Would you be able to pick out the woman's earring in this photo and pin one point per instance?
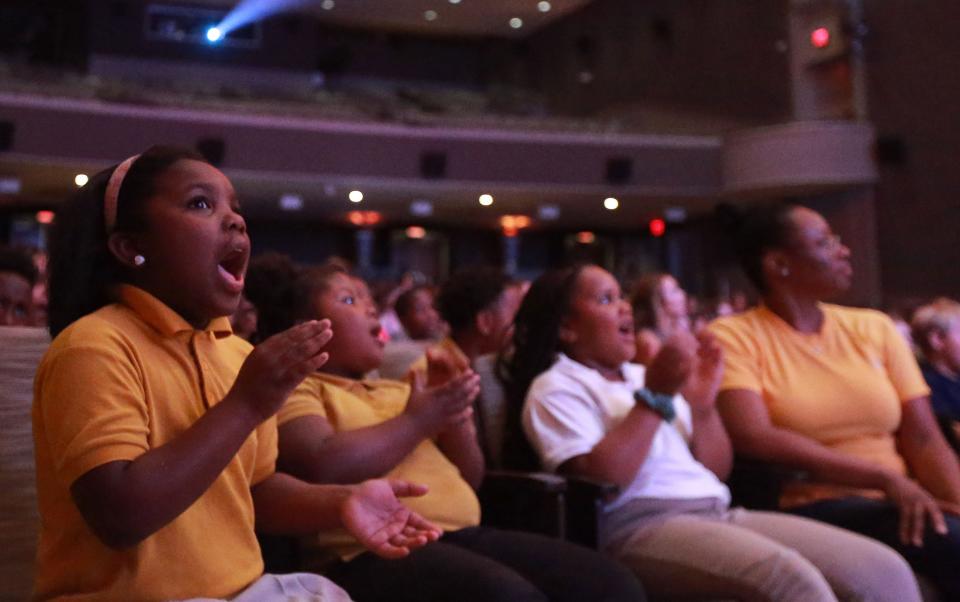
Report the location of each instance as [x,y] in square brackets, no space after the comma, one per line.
[139,260]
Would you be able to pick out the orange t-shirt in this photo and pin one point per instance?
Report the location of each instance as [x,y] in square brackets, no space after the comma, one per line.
[347,404]
[842,386]
[125,379]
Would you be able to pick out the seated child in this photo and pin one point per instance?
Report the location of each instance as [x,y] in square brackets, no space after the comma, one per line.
[338,427]
[153,425]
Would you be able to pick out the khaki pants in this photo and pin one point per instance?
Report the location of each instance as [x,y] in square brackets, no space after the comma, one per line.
[698,548]
[295,587]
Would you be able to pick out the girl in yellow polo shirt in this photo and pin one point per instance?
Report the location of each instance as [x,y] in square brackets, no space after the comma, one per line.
[155,441]
[338,427]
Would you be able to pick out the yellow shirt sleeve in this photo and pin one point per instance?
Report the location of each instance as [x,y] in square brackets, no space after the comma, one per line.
[93,408]
[306,400]
[741,357]
[900,363]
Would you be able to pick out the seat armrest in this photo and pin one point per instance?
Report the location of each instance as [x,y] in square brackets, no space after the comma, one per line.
[525,501]
[585,500]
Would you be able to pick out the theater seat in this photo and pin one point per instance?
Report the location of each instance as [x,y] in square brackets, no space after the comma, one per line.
[20,352]
[550,504]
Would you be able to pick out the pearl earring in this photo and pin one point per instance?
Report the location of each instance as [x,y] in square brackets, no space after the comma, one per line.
[139,260]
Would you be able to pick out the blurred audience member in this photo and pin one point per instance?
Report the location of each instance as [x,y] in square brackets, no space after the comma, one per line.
[244,320]
[836,392]
[419,317]
[936,329]
[660,309]
[18,275]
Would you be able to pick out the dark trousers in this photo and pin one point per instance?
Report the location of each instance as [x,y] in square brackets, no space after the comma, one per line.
[483,564]
[939,558]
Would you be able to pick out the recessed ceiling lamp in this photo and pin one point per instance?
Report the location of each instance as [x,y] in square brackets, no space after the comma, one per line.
[291,202]
[544,6]
[355,196]
[486,200]
[454,1]
[611,203]
[80,179]
[421,208]
[548,212]
[430,15]
[516,22]
[327,4]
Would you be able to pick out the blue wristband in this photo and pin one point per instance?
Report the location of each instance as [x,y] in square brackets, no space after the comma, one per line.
[661,403]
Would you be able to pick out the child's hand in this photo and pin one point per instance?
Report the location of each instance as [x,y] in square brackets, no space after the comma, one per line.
[443,365]
[704,383]
[274,369]
[672,365]
[449,404]
[374,515]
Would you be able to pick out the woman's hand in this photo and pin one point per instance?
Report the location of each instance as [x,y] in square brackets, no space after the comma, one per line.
[916,507]
[274,369]
[374,515]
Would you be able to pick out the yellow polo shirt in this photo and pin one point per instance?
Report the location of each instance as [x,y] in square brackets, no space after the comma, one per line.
[446,346]
[842,386]
[351,404]
[116,383]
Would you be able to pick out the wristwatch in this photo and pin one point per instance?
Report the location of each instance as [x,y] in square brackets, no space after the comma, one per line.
[661,403]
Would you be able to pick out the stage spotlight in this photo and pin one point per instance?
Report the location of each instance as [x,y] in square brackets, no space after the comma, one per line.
[214,35]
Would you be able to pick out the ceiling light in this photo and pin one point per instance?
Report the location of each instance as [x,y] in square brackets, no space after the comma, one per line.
[611,203]
[486,200]
[544,6]
[516,22]
[291,202]
[9,185]
[416,232]
[355,196]
[421,208]
[214,35]
[327,4]
[430,15]
[454,1]
[80,179]
[548,212]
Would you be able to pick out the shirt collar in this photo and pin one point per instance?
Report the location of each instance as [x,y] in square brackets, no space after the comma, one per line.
[161,317]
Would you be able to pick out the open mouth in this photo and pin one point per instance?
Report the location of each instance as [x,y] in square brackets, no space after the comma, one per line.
[377,332]
[232,267]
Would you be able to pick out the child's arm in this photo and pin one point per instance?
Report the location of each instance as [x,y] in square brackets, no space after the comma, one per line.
[126,501]
[311,450]
[370,511]
[459,443]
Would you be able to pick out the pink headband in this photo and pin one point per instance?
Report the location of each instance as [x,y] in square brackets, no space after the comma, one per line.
[113,191]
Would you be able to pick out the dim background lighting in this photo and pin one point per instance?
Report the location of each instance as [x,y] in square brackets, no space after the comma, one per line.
[355,196]
[658,227]
[416,232]
[611,203]
[586,237]
[486,200]
[820,37]
[81,179]
[45,217]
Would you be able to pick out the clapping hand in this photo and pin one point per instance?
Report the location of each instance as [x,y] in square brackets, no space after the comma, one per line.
[381,523]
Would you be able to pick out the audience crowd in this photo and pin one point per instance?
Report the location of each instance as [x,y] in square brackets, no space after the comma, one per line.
[168,437]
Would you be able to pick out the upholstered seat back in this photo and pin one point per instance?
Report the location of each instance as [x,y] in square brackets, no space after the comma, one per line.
[20,351]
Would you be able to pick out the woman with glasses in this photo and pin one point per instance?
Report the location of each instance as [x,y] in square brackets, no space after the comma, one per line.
[835,392]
